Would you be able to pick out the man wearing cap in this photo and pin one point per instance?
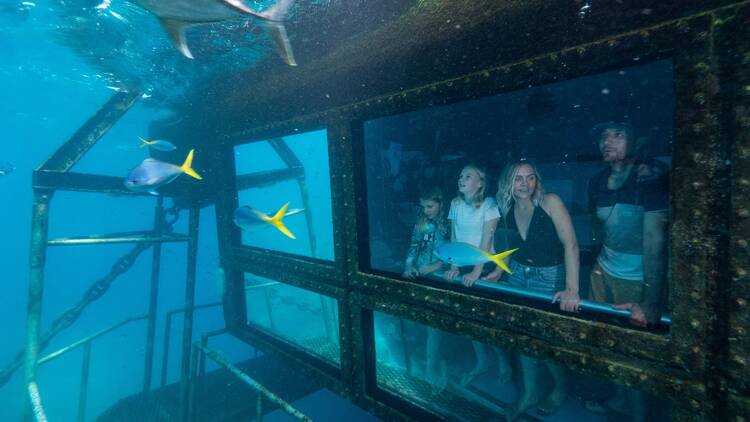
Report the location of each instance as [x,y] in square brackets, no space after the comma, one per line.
[629,200]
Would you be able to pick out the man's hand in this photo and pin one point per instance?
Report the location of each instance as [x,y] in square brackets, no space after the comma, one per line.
[641,314]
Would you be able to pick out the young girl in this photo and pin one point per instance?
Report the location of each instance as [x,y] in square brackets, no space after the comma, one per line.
[473,220]
[430,229]
[546,261]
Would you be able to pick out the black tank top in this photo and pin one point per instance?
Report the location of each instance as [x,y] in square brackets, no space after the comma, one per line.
[542,247]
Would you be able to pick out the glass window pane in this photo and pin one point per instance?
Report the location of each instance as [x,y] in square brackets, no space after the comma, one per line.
[307,319]
[460,379]
[308,217]
[573,176]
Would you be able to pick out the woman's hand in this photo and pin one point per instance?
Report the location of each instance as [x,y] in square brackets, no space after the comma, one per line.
[494,276]
[469,279]
[569,300]
[451,274]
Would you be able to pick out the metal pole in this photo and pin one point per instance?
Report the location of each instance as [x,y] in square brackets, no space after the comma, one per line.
[165,350]
[587,305]
[259,408]
[273,398]
[168,332]
[39,226]
[91,131]
[187,327]
[84,381]
[192,384]
[36,402]
[153,296]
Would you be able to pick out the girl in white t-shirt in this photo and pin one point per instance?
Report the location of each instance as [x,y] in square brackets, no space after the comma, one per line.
[473,219]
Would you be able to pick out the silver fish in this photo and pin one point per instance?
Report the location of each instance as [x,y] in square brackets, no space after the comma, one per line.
[158,145]
[152,174]
[6,168]
[463,254]
[248,218]
[177,15]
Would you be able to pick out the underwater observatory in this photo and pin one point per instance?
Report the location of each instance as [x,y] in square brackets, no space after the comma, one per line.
[391,210]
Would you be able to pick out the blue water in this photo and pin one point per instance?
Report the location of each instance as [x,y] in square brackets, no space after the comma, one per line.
[49,90]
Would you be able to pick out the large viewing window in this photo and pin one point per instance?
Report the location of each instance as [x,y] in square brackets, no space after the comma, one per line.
[306,319]
[293,170]
[574,175]
[460,379]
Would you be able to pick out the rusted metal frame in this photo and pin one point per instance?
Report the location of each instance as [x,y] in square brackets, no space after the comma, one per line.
[273,398]
[153,296]
[82,182]
[699,177]
[342,194]
[276,129]
[291,160]
[657,379]
[91,131]
[187,326]
[738,407]
[679,40]
[266,178]
[37,256]
[133,237]
[734,32]
[167,335]
[228,234]
[368,396]
[84,386]
[293,270]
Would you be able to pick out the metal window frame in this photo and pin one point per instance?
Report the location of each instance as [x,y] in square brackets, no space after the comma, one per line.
[682,357]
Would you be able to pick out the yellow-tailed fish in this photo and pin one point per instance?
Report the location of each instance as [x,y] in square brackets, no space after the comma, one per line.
[152,174]
[248,217]
[158,144]
[463,254]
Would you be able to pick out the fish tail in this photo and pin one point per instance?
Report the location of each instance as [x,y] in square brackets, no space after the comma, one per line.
[186,166]
[498,259]
[145,143]
[277,221]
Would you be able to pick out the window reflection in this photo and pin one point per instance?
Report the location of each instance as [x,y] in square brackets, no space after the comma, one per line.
[432,369]
[285,197]
[278,309]
[567,185]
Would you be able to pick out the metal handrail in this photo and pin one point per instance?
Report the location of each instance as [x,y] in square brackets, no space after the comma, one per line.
[131,237]
[587,305]
[167,335]
[255,385]
[83,392]
[88,339]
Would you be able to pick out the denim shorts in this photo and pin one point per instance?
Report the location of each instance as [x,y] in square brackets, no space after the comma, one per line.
[542,279]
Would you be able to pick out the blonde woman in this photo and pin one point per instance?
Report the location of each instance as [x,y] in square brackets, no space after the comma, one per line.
[538,224]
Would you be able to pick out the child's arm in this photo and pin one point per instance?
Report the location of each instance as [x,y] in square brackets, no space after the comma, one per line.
[488,232]
[453,271]
[409,270]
